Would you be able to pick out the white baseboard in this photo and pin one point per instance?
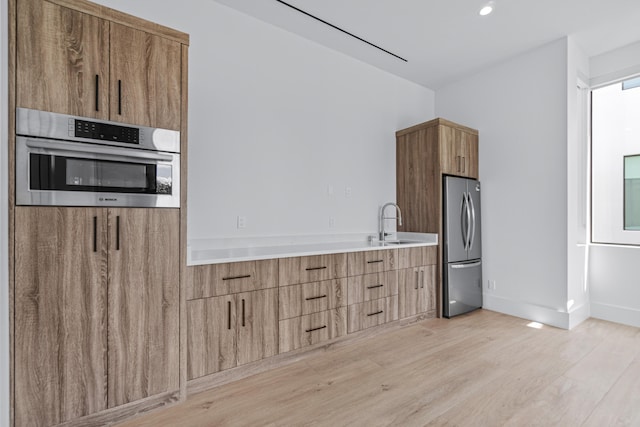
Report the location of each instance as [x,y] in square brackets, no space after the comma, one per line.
[615,313]
[579,315]
[536,313]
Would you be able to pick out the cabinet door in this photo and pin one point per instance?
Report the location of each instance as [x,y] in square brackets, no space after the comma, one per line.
[470,150]
[211,335]
[451,156]
[427,289]
[143,303]
[62,60]
[409,292]
[257,325]
[60,314]
[144,78]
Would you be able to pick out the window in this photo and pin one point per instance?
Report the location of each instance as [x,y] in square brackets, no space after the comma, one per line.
[615,174]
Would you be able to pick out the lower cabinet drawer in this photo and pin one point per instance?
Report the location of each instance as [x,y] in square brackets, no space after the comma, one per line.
[312,329]
[372,313]
[371,287]
[300,300]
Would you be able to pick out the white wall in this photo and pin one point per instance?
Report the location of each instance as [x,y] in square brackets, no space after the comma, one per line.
[520,110]
[613,270]
[275,120]
[4,227]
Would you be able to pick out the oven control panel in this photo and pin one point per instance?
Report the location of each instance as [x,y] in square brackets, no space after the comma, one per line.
[105,131]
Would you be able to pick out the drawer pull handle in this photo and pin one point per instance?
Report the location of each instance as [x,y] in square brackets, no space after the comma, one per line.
[375,286]
[315,329]
[312,298]
[236,277]
[376,313]
[315,268]
[374,262]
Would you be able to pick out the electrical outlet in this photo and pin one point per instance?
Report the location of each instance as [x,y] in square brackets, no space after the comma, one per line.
[332,222]
[491,284]
[347,192]
[242,221]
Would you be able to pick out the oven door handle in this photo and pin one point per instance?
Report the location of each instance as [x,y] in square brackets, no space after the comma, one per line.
[79,148]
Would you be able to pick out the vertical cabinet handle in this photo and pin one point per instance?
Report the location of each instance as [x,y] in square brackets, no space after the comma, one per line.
[118,233]
[243,312]
[95,234]
[120,97]
[417,278]
[97,92]
[228,314]
[422,281]
[464,162]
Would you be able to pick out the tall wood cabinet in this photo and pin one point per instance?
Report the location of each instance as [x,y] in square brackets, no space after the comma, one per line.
[96,306]
[424,154]
[97,301]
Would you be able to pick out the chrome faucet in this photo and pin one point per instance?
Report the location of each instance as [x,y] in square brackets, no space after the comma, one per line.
[381,218]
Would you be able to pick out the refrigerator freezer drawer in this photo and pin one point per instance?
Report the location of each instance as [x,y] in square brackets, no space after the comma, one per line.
[463,288]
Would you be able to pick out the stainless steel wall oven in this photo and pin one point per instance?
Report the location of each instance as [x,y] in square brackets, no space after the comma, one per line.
[64,160]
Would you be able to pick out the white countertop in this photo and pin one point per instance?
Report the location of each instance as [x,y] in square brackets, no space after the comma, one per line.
[214,251]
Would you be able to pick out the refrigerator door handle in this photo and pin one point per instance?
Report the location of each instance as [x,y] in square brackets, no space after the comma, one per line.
[468,243]
[464,209]
[473,222]
[473,264]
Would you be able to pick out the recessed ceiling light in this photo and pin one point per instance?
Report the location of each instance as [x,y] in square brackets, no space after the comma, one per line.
[486,9]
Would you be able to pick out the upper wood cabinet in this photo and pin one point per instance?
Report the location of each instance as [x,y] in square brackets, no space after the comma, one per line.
[74,63]
[97,299]
[458,151]
[62,58]
[144,82]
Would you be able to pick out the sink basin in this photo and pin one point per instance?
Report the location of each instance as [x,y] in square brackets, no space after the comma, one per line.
[399,242]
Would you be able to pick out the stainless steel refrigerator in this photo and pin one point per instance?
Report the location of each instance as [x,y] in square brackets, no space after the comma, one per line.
[462,269]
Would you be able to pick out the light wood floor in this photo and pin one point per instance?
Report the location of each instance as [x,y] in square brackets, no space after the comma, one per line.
[482,369]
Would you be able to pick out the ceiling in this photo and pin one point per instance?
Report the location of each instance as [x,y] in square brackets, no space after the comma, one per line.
[446,40]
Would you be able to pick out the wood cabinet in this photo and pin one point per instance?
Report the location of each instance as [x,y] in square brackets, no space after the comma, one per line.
[60,314]
[228,278]
[144,290]
[417,280]
[311,329]
[424,154]
[72,62]
[458,151]
[307,298]
[314,268]
[231,330]
[96,294]
[416,289]
[372,313]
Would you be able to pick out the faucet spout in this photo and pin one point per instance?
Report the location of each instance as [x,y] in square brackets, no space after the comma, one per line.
[381,218]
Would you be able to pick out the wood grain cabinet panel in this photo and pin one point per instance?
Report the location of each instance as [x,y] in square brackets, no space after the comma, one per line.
[372,313]
[211,335]
[307,298]
[371,286]
[366,262]
[63,60]
[416,290]
[210,280]
[146,81]
[143,303]
[417,256]
[60,314]
[75,63]
[231,330]
[312,329]
[314,268]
